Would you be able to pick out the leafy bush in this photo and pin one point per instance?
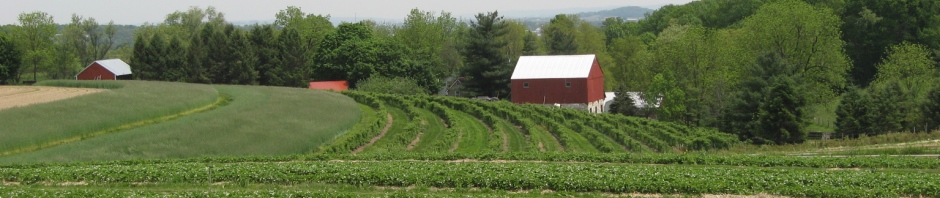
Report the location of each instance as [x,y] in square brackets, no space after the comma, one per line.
[396,85]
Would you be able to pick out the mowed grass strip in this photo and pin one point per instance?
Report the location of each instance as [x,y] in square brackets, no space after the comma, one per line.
[258,121]
[129,102]
[389,143]
[475,136]
[516,141]
[434,129]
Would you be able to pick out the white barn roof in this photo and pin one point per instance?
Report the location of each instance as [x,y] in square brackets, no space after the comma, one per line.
[563,66]
[116,66]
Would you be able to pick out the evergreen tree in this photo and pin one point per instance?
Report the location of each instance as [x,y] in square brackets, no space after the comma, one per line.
[264,43]
[931,108]
[10,60]
[487,69]
[141,59]
[624,104]
[175,68]
[853,115]
[531,45]
[781,114]
[294,68]
[243,60]
[742,117]
[887,107]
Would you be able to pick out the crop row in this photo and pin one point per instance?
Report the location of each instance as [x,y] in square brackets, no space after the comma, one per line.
[413,127]
[880,162]
[576,177]
[362,133]
[537,135]
[454,125]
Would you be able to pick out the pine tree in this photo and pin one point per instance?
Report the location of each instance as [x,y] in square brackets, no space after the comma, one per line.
[931,108]
[853,115]
[624,104]
[781,114]
[487,69]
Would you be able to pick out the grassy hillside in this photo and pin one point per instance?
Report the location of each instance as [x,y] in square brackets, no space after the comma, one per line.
[46,124]
[255,121]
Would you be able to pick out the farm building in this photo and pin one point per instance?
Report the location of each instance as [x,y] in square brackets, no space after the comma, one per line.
[111,69]
[568,80]
[340,85]
[452,86]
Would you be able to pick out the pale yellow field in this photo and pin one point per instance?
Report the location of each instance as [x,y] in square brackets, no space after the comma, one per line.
[15,96]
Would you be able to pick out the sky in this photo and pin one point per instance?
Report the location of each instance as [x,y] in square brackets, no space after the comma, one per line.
[136,12]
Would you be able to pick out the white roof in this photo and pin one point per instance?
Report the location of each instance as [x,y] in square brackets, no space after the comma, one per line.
[563,66]
[116,66]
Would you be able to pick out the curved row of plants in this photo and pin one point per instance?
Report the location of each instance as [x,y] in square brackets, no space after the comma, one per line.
[522,128]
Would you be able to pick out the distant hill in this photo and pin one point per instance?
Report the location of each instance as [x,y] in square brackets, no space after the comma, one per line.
[629,12]
[596,17]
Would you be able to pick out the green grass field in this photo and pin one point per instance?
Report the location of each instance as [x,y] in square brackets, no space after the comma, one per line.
[256,121]
[41,124]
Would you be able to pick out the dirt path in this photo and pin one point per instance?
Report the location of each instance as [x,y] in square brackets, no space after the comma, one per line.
[17,96]
[388,125]
[417,138]
[415,141]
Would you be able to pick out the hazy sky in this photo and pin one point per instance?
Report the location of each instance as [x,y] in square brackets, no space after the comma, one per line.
[136,12]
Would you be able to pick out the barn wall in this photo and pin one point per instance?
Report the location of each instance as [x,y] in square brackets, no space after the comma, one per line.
[94,71]
[550,91]
[595,81]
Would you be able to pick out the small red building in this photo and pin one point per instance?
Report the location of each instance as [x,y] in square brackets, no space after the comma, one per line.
[111,69]
[570,80]
[340,85]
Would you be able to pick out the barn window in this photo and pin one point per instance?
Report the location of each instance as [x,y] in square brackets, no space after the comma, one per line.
[525,85]
[567,84]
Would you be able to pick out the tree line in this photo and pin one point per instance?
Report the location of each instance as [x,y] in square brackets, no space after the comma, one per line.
[760,69]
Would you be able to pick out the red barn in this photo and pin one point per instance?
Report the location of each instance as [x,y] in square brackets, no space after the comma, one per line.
[570,80]
[111,69]
[340,85]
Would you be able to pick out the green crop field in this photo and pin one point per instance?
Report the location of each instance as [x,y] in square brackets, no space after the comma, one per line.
[254,121]
[190,140]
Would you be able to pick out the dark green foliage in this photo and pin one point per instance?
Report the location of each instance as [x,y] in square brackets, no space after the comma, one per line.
[873,25]
[624,104]
[854,114]
[294,63]
[560,35]
[888,108]
[352,54]
[396,85]
[930,108]
[487,69]
[742,118]
[264,43]
[174,68]
[531,46]
[10,59]
[781,114]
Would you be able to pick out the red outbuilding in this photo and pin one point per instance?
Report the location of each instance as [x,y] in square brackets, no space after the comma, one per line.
[340,85]
[111,69]
[569,80]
